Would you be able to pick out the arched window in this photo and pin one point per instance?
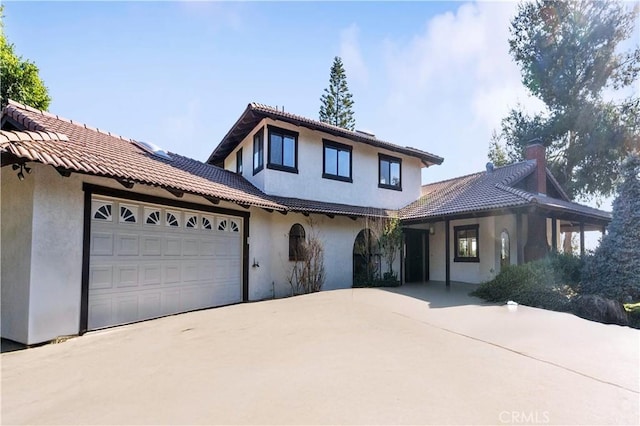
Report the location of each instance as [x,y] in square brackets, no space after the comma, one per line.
[296,242]
[505,249]
[366,257]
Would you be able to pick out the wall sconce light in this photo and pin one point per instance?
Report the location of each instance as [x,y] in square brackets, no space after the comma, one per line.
[23,168]
[255,264]
[432,229]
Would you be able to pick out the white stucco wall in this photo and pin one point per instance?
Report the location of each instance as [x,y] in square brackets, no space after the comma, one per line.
[42,247]
[308,182]
[269,246]
[56,255]
[489,265]
[16,216]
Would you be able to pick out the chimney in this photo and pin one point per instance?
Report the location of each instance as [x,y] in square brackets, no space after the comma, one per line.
[536,151]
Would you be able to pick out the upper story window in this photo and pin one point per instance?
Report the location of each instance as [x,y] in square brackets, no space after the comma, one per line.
[466,243]
[239,161]
[390,172]
[283,150]
[337,161]
[258,151]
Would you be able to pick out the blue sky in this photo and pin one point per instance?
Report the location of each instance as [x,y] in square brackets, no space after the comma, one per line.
[432,75]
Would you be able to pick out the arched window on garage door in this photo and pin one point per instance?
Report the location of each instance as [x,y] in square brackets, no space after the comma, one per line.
[297,242]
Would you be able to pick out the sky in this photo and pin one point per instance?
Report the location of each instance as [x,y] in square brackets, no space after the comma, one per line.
[431,75]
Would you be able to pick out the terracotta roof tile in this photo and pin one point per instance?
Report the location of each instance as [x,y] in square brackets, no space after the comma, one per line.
[312,206]
[256,112]
[80,149]
[486,191]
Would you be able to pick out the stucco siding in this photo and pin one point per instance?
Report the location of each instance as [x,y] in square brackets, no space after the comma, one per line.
[363,191]
[56,264]
[16,216]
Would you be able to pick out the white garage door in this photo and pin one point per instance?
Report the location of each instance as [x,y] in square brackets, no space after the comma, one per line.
[147,261]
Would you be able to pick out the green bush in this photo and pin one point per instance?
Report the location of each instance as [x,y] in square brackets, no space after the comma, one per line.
[546,283]
[390,279]
[633,311]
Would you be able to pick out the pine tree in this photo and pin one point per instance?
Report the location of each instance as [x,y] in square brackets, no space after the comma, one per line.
[614,270]
[336,100]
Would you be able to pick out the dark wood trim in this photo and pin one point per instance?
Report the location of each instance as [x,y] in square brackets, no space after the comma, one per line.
[582,249]
[245,258]
[212,200]
[457,257]
[554,235]
[63,172]
[519,239]
[239,162]
[90,190]
[326,143]
[447,250]
[86,253]
[135,196]
[403,249]
[260,166]
[126,183]
[282,132]
[389,159]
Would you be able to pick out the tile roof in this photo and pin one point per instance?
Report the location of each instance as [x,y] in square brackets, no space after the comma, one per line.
[62,143]
[255,112]
[487,191]
[311,206]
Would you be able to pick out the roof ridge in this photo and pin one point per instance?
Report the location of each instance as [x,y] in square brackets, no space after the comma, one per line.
[258,105]
[451,179]
[18,106]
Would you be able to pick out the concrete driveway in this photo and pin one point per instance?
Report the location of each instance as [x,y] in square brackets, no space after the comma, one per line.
[416,355]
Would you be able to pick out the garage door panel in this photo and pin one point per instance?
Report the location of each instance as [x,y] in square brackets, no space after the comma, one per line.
[150,304]
[170,301]
[151,245]
[100,313]
[127,245]
[173,246]
[172,274]
[102,244]
[149,261]
[100,277]
[127,309]
[151,274]
[190,247]
[127,276]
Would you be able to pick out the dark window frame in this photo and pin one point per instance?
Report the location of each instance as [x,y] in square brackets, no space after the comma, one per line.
[326,143]
[458,257]
[239,165]
[297,238]
[273,130]
[389,159]
[258,147]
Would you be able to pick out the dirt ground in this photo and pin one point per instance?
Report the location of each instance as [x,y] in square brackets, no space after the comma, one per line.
[416,355]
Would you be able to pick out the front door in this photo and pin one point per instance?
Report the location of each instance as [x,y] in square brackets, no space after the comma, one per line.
[416,266]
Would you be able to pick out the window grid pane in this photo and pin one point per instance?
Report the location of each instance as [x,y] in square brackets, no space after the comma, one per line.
[288,154]
[343,163]
[330,161]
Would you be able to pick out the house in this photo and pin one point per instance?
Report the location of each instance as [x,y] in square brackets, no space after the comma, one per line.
[101,230]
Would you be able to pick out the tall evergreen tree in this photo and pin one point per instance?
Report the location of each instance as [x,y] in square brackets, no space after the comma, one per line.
[337,101]
[19,78]
[568,53]
[614,270]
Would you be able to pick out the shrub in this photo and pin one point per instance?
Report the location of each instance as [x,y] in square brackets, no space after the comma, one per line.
[633,312]
[614,269]
[546,283]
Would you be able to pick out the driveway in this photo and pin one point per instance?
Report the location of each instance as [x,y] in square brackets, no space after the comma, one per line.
[416,355]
